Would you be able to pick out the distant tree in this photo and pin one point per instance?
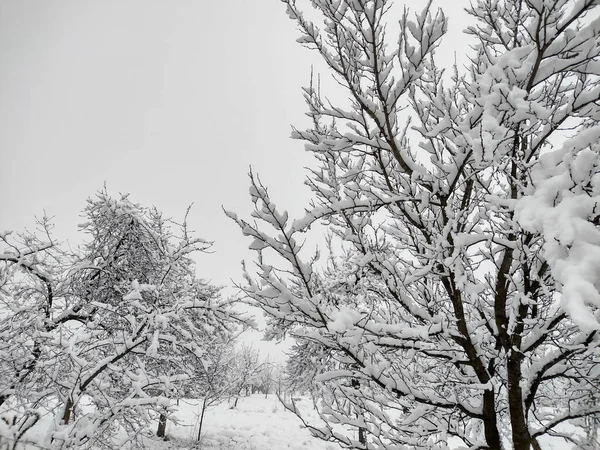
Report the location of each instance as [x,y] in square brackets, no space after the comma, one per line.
[267,376]
[215,379]
[464,303]
[247,370]
[111,331]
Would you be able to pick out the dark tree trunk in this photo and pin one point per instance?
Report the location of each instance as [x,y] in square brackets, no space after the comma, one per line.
[162,425]
[68,411]
[201,419]
[362,432]
[490,423]
[362,436]
[66,418]
[520,432]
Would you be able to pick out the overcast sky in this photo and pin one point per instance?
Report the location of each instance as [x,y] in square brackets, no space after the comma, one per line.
[168,100]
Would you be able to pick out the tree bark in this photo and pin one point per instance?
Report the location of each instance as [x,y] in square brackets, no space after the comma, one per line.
[362,436]
[490,422]
[520,432]
[362,432]
[162,425]
[68,411]
[201,419]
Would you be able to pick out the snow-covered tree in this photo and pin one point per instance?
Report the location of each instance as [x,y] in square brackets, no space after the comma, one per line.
[267,376]
[247,367]
[464,303]
[215,378]
[111,332]
[30,283]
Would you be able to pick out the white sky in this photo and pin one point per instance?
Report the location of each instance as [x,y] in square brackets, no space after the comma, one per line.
[170,101]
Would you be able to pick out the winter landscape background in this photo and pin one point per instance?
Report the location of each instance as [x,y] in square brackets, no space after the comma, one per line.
[425,263]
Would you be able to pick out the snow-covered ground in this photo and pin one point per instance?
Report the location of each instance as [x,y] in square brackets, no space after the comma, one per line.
[256,423]
[264,424]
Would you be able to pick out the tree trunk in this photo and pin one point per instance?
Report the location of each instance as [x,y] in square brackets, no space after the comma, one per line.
[201,419]
[68,411]
[236,399]
[66,414]
[362,432]
[362,436]
[520,432]
[490,422]
[162,425]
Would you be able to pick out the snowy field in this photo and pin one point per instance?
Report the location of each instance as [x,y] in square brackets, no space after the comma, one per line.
[264,424]
[256,423]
